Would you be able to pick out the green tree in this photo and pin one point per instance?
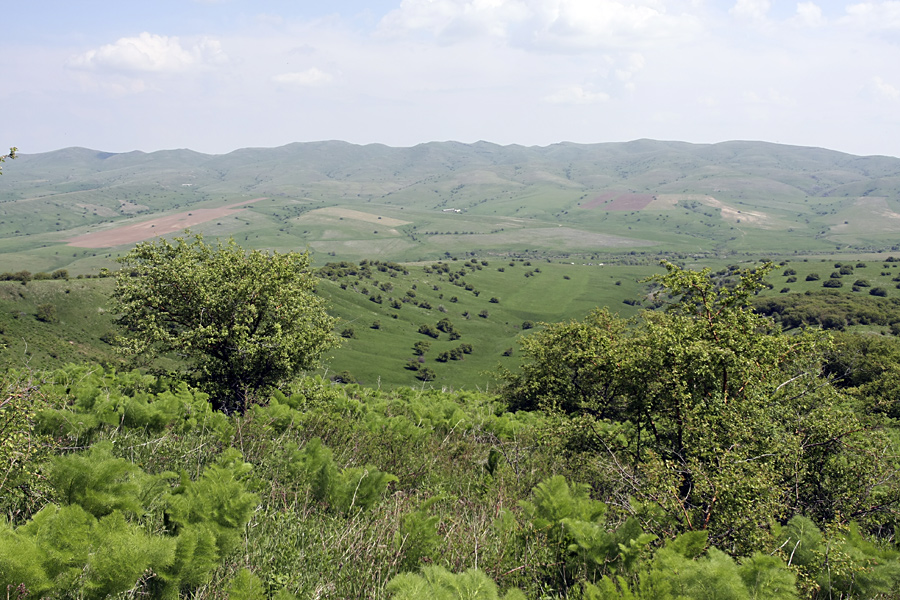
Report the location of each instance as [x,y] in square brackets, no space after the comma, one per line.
[11,155]
[708,412]
[242,321]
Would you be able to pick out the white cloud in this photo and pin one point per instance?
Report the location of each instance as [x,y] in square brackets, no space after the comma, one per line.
[885,90]
[547,24]
[771,97]
[576,94]
[809,14]
[633,63]
[752,10]
[874,15]
[149,53]
[309,78]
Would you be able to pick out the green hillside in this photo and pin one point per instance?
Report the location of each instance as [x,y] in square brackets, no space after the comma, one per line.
[350,202]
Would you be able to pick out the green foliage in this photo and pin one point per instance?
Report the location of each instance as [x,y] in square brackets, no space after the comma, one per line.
[418,537]
[723,422]
[345,490]
[22,448]
[247,586]
[842,564]
[828,310]
[95,397]
[3,157]
[243,321]
[46,313]
[97,482]
[437,583]
[98,543]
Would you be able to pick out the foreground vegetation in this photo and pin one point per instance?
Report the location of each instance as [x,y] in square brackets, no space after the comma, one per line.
[698,452]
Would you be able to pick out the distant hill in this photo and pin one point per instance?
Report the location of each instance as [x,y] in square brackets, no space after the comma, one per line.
[351,202]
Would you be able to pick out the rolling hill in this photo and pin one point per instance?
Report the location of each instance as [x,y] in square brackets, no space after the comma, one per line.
[344,201]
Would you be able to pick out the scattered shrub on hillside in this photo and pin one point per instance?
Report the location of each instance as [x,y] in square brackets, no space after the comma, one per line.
[46,313]
[878,291]
[428,330]
[527,324]
[832,283]
[812,277]
[343,377]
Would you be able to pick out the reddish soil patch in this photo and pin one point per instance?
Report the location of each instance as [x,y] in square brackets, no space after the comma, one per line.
[601,199]
[138,232]
[629,202]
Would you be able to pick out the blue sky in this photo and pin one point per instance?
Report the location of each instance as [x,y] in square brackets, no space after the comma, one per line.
[217,75]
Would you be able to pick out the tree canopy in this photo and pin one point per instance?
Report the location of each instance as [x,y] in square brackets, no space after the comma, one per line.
[3,157]
[241,320]
[714,419]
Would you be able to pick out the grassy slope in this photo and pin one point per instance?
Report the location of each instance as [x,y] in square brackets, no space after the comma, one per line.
[735,196]
[379,356]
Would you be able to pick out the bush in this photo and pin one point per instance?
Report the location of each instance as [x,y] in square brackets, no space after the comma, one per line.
[812,277]
[878,291]
[833,283]
[430,331]
[46,313]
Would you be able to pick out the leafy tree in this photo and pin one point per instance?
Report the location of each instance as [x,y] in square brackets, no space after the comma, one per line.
[11,155]
[708,413]
[242,321]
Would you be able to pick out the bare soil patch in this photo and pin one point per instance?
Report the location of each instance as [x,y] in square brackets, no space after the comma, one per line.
[138,232]
[629,202]
[600,200]
[620,201]
[356,215]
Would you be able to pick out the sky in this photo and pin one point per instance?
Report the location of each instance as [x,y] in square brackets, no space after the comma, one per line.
[218,75]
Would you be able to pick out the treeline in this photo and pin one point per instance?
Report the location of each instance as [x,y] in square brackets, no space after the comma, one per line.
[830,310]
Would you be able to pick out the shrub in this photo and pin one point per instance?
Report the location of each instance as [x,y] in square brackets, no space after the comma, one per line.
[46,313]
